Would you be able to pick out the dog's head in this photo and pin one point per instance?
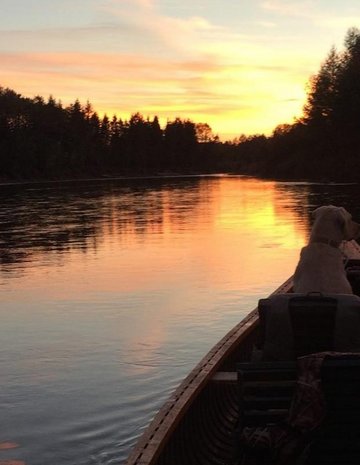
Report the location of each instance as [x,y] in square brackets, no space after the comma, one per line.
[335,223]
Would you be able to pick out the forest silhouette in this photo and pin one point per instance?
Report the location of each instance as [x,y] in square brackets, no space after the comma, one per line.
[44,140]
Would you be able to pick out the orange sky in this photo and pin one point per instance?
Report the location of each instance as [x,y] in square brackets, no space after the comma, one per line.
[242,67]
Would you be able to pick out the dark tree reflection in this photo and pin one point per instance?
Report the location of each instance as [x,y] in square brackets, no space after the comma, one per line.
[59,218]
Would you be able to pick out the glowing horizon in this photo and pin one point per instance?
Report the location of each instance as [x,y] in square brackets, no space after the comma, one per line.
[239,68]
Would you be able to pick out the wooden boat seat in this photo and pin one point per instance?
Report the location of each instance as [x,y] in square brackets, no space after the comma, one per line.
[292,325]
[266,391]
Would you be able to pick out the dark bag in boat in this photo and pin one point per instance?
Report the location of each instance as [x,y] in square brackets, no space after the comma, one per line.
[353,274]
[293,325]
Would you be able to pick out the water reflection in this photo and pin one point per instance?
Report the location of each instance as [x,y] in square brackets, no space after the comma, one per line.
[111,291]
[59,218]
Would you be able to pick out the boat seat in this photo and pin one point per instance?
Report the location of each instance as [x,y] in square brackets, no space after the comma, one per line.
[266,391]
[293,325]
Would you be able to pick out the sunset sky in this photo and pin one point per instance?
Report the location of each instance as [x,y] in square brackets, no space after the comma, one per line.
[240,66]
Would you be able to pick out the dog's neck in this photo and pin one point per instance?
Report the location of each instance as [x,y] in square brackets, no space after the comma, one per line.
[325,240]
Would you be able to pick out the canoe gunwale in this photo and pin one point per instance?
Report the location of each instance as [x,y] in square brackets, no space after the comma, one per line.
[153,440]
[168,417]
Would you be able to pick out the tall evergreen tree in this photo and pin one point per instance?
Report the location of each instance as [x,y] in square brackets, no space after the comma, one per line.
[347,108]
[323,91]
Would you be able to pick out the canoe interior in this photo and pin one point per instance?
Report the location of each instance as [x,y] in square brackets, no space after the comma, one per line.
[198,423]
[206,433]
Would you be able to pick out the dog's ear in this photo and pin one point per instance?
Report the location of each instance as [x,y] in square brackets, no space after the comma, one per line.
[343,217]
[349,228]
[341,220]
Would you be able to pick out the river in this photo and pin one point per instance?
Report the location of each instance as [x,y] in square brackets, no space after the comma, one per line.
[111,291]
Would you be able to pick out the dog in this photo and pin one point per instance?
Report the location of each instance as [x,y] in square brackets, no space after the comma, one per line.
[321,266]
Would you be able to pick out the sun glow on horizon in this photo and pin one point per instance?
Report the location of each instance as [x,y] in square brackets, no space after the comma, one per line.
[242,69]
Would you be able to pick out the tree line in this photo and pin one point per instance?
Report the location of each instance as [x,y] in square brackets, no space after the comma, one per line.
[43,139]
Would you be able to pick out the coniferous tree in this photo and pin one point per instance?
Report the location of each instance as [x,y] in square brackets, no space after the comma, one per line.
[180,143]
[323,91]
[347,108]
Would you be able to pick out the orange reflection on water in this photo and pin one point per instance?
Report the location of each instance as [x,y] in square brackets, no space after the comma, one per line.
[12,462]
[160,255]
[8,445]
[4,446]
[240,236]
[217,230]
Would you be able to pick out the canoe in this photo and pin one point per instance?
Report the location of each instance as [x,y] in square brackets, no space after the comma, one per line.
[196,424]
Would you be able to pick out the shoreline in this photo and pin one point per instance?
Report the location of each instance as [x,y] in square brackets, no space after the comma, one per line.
[9,182]
[168,175]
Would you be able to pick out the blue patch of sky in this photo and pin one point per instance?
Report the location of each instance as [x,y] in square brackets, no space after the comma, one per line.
[44,14]
[68,25]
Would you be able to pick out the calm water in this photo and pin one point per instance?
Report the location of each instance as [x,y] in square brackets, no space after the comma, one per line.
[112,291]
